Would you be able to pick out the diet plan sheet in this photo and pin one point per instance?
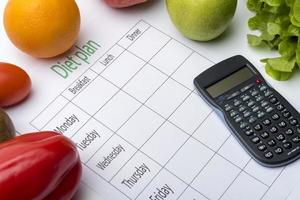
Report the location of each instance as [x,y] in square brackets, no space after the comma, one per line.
[143,132]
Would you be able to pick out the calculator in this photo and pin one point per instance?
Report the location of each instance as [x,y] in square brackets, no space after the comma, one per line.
[262,120]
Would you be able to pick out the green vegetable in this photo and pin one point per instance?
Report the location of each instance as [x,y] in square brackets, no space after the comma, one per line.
[278,22]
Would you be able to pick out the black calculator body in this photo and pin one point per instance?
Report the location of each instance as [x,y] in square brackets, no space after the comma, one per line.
[263,121]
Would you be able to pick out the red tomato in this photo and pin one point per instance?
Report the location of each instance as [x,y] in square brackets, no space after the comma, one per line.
[15,84]
[123,3]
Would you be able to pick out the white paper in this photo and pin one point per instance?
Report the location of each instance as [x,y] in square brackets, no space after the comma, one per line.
[141,129]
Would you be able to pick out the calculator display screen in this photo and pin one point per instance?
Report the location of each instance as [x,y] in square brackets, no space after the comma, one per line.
[229,82]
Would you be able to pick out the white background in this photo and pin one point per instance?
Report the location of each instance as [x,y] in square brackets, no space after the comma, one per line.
[105,26]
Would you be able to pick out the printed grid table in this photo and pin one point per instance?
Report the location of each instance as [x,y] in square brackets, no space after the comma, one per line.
[139,124]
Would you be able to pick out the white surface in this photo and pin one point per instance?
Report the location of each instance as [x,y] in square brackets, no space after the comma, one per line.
[126,110]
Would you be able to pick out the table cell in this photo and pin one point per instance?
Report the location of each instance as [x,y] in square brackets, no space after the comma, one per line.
[140,127]
[214,125]
[164,186]
[171,57]
[90,138]
[215,178]
[111,157]
[49,112]
[264,174]
[135,175]
[284,184]
[238,191]
[149,44]
[167,98]
[68,121]
[191,114]
[123,69]
[191,68]
[145,83]
[107,59]
[192,194]
[234,152]
[79,85]
[190,160]
[117,111]
[167,139]
[94,97]
[133,34]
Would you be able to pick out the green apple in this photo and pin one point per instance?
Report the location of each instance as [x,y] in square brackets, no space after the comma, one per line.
[201,20]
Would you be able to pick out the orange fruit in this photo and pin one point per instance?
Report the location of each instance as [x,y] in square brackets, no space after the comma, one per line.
[42,28]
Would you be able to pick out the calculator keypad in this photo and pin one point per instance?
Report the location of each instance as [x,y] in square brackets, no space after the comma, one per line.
[264,120]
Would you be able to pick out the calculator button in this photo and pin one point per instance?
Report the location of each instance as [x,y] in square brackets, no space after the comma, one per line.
[269,109]
[238,119]
[252,120]
[287,145]
[275,116]
[265,135]
[247,87]
[259,98]
[261,114]
[228,107]
[263,88]
[254,93]
[286,114]
[273,100]
[282,124]
[233,113]
[262,147]
[233,95]
[273,129]
[278,150]
[250,103]
[289,132]
[296,139]
[268,93]
[257,127]
[246,98]
[267,122]
[249,132]
[268,154]
[255,140]
[237,103]
[272,143]
[243,125]
[280,137]
[280,107]
[247,114]
[242,108]
[255,109]
[293,122]
[264,103]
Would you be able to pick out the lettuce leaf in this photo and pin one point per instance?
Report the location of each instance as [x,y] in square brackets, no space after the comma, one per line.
[280,76]
[278,22]
[281,64]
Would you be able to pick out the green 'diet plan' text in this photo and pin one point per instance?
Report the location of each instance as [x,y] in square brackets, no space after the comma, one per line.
[72,62]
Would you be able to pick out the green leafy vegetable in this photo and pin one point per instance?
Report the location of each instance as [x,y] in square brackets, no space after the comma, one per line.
[278,22]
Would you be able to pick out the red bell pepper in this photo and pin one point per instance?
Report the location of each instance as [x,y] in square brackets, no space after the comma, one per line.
[39,166]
